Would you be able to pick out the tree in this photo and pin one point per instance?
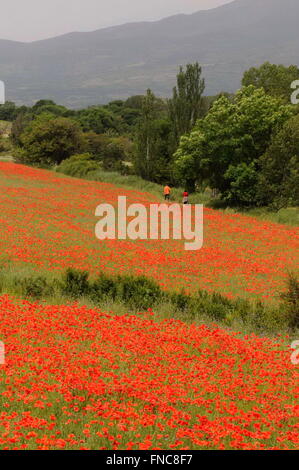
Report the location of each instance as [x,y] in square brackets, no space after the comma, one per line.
[145,135]
[274,79]
[185,105]
[279,168]
[49,140]
[98,119]
[50,107]
[8,111]
[233,133]
[111,151]
[152,156]
[19,125]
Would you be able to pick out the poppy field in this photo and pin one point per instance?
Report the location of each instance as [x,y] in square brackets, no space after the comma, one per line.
[81,377]
[47,222]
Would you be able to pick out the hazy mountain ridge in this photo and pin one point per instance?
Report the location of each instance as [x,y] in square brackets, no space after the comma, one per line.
[84,68]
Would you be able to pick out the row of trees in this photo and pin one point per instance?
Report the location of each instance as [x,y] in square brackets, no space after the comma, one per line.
[243,146]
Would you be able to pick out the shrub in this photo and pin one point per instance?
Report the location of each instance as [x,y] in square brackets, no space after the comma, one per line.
[78,165]
[49,140]
[142,293]
[103,288]
[139,292]
[36,288]
[181,301]
[75,283]
[291,301]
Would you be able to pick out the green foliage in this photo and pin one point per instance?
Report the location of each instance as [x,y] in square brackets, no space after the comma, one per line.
[274,79]
[242,184]
[50,107]
[75,283]
[227,143]
[279,168]
[49,140]
[78,165]
[291,299]
[36,288]
[112,152]
[153,157]
[233,133]
[135,292]
[138,292]
[185,107]
[8,111]
[141,293]
[98,119]
[128,112]
[103,288]
[19,125]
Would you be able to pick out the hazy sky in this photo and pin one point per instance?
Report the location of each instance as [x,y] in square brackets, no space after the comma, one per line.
[28,20]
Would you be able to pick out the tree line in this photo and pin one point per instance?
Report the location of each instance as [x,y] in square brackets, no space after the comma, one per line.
[243,146]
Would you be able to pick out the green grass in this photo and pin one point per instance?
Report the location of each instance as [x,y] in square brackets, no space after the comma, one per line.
[200,308]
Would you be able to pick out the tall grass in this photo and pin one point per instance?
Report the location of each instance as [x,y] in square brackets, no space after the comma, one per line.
[128,294]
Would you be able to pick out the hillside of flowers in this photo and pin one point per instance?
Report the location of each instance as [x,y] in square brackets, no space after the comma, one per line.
[47,222]
[80,378]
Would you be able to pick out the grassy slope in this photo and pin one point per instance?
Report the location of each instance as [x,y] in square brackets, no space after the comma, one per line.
[80,378]
[77,378]
[289,216]
[48,223]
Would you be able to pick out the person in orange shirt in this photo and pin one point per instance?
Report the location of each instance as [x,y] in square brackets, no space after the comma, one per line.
[167,192]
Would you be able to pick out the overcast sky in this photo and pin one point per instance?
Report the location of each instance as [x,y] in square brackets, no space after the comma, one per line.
[29,20]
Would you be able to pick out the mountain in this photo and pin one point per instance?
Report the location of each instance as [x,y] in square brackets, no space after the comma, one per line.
[78,69]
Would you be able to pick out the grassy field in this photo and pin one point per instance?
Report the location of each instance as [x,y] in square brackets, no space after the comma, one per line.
[78,376]
[289,216]
[48,223]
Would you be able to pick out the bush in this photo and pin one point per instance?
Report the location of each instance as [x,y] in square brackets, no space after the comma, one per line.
[78,165]
[291,301]
[139,292]
[103,288]
[49,140]
[75,283]
[36,288]
[279,168]
[142,293]
[181,301]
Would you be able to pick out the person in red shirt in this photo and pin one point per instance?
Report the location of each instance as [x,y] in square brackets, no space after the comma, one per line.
[185,197]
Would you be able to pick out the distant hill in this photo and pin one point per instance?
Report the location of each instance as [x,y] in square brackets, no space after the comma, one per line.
[78,69]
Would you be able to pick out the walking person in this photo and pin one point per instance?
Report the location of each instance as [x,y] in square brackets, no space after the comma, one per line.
[185,197]
[167,192]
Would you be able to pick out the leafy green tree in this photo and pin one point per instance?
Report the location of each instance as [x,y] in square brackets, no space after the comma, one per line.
[49,106]
[152,155]
[146,135]
[50,140]
[111,151]
[274,79]
[186,104]
[19,125]
[232,133]
[279,168]
[8,111]
[242,181]
[98,119]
